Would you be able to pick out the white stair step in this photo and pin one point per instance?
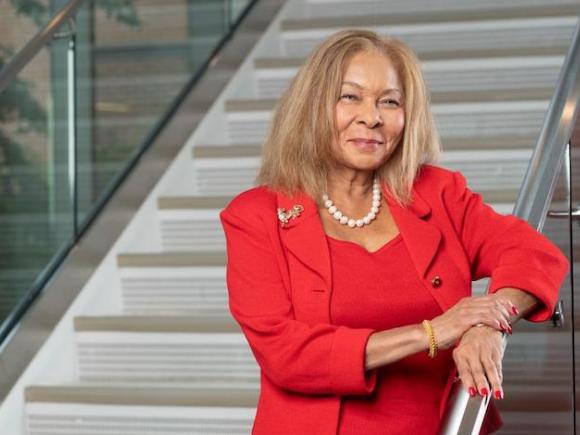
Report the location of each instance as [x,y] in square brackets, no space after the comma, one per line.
[349,8]
[164,352]
[483,79]
[249,123]
[78,410]
[175,283]
[446,35]
[191,223]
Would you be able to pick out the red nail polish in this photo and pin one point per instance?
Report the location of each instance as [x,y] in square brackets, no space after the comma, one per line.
[510,331]
[498,394]
[484,391]
[472,391]
[501,327]
[515,310]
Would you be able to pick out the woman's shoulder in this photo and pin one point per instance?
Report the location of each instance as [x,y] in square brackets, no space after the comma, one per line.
[252,201]
[436,178]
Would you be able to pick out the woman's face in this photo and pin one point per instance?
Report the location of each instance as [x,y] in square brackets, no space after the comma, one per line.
[369,113]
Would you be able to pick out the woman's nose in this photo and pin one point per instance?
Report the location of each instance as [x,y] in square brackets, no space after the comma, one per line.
[370,115]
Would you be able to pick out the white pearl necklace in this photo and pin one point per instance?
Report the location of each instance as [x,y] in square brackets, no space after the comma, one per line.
[345,220]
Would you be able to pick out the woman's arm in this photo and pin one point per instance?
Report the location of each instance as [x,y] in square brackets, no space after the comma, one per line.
[525,302]
[507,249]
[385,347]
[390,345]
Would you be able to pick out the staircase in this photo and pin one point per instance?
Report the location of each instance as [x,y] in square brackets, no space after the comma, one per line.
[149,346]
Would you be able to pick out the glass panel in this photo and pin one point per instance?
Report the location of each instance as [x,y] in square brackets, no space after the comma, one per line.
[131,59]
[35,201]
[141,59]
[538,362]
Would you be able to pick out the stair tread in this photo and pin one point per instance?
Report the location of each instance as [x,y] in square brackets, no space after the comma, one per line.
[406,18]
[503,52]
[171,259]
[231,397]
[196,202]
[154,324]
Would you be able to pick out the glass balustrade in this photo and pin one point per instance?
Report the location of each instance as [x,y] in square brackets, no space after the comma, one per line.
[80,112]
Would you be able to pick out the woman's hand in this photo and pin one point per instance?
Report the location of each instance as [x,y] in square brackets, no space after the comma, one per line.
[492,310]
[479,355]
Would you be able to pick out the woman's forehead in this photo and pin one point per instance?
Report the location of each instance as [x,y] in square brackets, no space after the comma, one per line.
[369,70]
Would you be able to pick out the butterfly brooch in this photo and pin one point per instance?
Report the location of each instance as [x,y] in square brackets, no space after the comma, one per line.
[285,216]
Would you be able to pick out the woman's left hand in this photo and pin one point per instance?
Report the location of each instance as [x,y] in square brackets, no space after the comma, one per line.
[478,355]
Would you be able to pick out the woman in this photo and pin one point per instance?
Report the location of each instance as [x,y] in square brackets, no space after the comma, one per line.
[350,265]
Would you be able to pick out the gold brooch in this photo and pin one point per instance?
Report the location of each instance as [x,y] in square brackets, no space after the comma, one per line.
[285,216]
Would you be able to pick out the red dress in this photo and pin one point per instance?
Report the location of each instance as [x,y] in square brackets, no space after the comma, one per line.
[381,290]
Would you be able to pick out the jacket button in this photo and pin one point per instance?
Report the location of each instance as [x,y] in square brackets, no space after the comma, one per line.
[436,281]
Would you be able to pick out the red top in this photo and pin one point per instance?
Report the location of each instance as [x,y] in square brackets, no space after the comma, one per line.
[381,290]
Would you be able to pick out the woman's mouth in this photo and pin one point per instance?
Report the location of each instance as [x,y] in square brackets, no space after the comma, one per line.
[366,144]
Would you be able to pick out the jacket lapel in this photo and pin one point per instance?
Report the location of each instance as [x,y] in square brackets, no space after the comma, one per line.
[304,236]
[421,237]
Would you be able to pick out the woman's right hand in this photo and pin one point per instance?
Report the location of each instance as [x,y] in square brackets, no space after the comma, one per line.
[491,310]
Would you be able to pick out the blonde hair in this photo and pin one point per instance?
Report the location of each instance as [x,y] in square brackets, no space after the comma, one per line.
[298,146]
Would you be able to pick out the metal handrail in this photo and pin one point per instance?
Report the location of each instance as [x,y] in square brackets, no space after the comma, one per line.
[464,415]
[37,43]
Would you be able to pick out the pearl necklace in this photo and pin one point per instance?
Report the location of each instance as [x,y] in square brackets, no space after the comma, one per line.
[345,220]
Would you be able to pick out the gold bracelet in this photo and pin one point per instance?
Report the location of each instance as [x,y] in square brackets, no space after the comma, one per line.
[432,352]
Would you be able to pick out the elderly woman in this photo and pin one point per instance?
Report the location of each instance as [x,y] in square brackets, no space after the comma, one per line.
[350,264]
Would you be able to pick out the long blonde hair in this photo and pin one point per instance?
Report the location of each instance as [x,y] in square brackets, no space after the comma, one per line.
[298,148]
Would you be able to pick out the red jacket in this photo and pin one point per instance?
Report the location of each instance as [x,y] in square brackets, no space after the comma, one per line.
[279,285]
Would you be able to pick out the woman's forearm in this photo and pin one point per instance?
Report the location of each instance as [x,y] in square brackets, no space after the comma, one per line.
[388,346]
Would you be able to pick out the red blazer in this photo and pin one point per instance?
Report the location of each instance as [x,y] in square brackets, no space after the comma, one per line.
[279,285]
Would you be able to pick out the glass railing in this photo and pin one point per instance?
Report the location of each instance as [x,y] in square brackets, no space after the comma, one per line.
[77,116]
[544,400]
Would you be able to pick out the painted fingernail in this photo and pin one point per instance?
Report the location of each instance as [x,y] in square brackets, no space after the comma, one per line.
[501,325]
[515,310]
[510,331]
[498,394]
[484,391]
[472,391]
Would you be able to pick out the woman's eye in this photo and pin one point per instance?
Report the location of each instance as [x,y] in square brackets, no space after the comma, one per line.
[348,97]
[390,101]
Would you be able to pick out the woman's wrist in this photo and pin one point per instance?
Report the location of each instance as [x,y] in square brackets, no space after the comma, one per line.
[524,301]
[390,345]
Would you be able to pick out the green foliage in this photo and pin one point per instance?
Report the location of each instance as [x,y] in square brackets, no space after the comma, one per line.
[32,9]
[122,11]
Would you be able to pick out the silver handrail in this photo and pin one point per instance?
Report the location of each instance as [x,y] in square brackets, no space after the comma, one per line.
[37,43]
[464,414]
